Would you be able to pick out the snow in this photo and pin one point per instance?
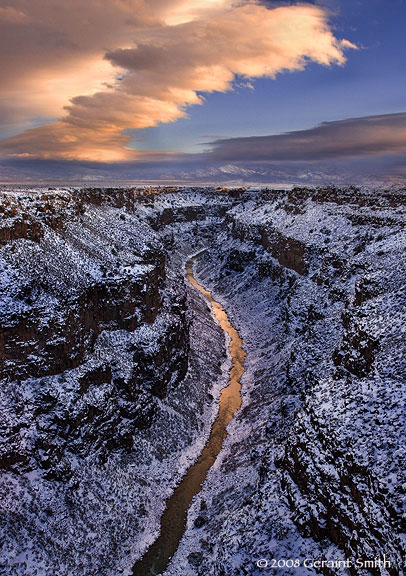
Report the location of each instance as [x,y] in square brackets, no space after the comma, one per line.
[314,456]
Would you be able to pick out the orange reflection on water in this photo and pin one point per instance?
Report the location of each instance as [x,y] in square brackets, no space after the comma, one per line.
[173,521]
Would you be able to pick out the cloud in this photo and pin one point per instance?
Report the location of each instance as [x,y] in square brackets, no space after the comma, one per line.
[53,50]
[154,57]
[367,150]
[355,137]
[12,15]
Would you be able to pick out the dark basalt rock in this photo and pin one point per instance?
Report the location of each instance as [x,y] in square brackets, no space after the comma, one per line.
[84,405]
[91,353]
[238,260]
[44,341]
[358,348]
[20,227]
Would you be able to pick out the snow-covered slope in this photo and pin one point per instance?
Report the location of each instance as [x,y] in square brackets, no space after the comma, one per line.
[315,462]
[111,373]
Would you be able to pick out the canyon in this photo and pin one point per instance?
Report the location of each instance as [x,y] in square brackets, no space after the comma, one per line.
[112,367]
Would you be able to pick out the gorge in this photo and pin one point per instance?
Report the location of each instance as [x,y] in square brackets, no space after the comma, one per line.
[113,367]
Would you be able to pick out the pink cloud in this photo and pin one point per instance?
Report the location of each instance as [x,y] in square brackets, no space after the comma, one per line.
[167,53]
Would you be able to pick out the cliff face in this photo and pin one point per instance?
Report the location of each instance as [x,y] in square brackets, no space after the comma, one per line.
[43,340]
[107,372]
[97,275]
[19,227]
[289,252]
[313,467]
[343,466]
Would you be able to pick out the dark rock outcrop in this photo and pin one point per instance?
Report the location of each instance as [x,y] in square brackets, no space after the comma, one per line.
[91,328]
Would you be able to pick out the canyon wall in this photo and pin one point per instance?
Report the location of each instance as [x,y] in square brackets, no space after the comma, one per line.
[90,273]
[314,467]
[108,367]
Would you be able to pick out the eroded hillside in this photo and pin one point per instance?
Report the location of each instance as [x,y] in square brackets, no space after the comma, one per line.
[111,369]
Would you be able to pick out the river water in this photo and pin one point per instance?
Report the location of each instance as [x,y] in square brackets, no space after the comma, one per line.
[173,521]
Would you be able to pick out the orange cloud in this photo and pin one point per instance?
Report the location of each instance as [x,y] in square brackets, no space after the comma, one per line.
[192,48]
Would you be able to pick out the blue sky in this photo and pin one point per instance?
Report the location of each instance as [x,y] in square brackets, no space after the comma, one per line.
[105,87]
[371,82]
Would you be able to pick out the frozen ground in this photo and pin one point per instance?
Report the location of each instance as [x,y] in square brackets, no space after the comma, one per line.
[314,464]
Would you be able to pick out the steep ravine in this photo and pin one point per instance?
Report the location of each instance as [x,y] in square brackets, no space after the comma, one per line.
[98,432]
[173,519]
[308,471]
[94,447]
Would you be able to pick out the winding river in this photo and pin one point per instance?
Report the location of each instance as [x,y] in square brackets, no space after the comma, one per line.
[173,521]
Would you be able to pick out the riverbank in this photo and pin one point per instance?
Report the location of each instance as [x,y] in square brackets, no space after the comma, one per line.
[313,280]
[173,520]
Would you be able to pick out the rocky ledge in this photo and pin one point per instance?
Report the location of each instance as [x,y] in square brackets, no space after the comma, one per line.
[111,367]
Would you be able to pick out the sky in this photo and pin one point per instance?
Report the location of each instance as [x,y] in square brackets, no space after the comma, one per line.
[202,88]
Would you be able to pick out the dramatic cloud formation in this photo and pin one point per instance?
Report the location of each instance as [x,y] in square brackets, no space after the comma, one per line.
[108,68]
[354,137]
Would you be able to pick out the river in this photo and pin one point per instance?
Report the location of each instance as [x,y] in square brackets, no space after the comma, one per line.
[173,521]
